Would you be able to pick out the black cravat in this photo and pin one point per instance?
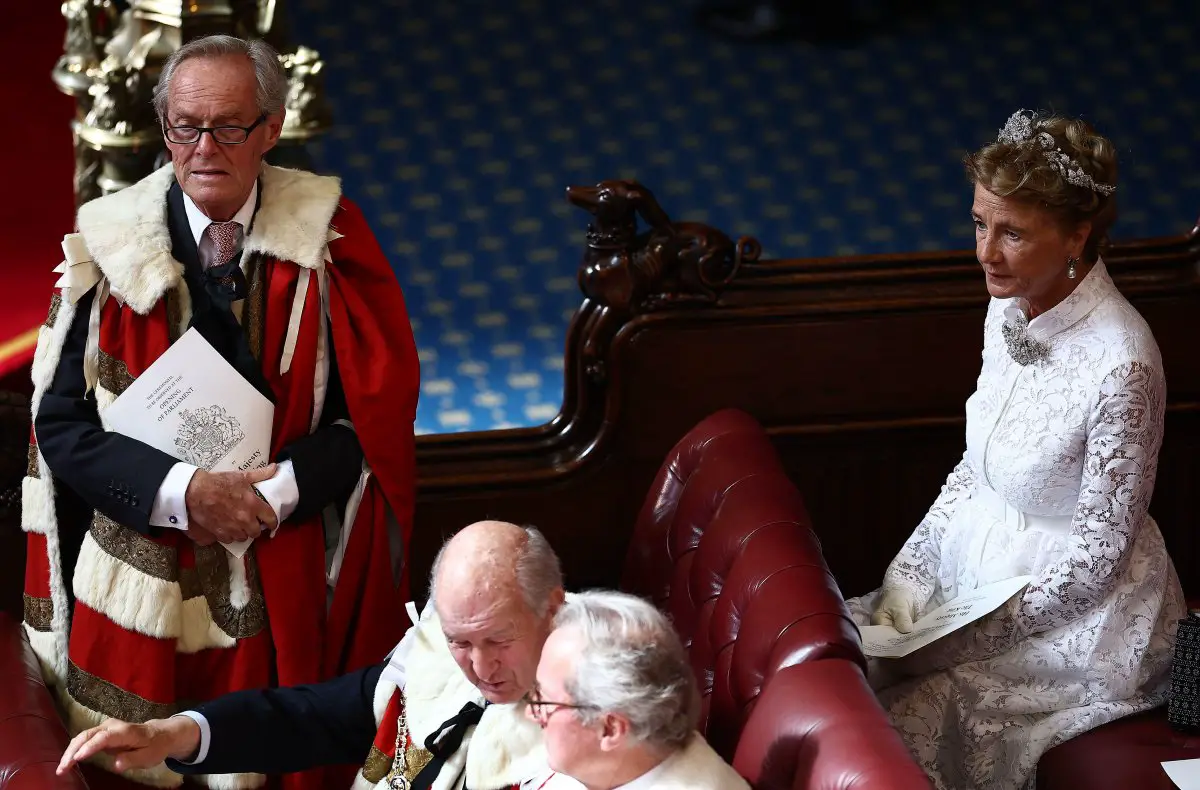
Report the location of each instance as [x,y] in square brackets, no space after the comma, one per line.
[458,724]
[226,283]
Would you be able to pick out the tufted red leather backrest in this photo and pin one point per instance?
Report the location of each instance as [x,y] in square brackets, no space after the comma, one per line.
[32,737]
[724,545]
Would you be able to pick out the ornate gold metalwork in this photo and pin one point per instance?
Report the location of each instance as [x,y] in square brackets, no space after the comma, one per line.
[90,26]
[111,64]
[307,111]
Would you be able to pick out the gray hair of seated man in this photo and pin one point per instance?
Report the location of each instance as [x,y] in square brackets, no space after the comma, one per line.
[632,664]
[272,84]
[537,567]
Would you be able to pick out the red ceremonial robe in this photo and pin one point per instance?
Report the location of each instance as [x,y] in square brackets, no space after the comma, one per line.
[160,623]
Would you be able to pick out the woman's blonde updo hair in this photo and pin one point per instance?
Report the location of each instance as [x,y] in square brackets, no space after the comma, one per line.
[1060,164]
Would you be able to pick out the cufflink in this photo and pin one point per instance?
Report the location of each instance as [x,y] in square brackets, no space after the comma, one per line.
[173,519]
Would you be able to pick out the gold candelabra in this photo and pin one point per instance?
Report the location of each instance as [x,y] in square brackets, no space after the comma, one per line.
[112,60]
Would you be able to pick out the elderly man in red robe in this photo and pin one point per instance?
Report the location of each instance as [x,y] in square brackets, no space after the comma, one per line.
[134,605]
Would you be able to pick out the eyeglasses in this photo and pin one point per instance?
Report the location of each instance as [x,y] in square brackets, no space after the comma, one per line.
[225,135]
[543,709]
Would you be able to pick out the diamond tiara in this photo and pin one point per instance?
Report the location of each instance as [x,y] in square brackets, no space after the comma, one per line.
[1021,128]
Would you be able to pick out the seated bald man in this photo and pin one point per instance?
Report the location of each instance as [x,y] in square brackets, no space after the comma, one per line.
[469,660]
[617,702]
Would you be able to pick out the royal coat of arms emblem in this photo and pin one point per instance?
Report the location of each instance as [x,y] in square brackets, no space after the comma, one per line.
[207,434]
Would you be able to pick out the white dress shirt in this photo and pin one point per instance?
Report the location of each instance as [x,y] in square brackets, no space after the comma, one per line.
[281,491]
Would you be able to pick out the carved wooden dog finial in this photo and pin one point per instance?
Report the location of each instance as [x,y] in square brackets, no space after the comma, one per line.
[671,262]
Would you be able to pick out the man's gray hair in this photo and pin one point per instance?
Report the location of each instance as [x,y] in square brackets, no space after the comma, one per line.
[537,567]
[271,80]
[631,663]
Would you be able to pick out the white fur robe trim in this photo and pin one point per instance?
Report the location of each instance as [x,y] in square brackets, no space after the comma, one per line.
[197,629]
[129,597]
[45,647]
[38,513]
[129,240]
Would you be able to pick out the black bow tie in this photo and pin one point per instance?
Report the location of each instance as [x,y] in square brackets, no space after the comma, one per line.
[454,729]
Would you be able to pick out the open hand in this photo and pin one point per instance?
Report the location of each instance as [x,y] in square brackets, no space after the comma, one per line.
[226,505]
[134,745]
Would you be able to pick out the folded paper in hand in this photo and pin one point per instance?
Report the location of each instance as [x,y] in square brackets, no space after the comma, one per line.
[883,641]
[193,405]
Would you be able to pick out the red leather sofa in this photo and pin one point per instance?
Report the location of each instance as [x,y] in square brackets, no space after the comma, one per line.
[724,545]
[32,736]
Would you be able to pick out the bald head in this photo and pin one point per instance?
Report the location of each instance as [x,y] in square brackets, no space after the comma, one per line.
[496,559]
[480,560]
[496,587]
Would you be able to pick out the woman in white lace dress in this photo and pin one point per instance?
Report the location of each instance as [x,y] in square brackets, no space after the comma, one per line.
[1063,433]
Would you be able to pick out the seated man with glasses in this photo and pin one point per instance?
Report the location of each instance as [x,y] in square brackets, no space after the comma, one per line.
[281,275]
[445,709]
[618,704]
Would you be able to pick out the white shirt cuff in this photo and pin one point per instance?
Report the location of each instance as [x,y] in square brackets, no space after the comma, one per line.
[281,491]
[205,736]
[170,503]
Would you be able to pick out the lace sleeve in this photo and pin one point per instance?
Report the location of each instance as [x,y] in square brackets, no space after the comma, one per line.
[915,567]
[1118,480]
[1125,431]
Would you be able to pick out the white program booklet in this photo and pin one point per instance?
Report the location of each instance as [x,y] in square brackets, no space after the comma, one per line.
[1184,773]
[193,405]
[883,641]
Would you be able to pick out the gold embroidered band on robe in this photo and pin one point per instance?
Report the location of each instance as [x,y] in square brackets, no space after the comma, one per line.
[175,301]
[52,315]
[114,374]
[39,613]
[31,468]
[210,578]
[110,700]
[134,549]
[254,316]
[212,568]
[189,584]
[378,764]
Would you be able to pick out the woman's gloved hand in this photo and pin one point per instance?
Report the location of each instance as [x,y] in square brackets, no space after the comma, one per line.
[897,607]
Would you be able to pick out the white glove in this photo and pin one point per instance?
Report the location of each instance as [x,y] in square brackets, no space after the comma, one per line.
[897,607]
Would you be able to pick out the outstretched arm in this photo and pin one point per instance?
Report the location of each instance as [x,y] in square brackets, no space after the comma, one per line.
[268,731]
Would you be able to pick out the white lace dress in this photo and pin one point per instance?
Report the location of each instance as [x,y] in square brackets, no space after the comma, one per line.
[1055,482]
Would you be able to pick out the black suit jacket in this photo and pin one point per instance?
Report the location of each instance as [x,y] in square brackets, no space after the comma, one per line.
[281,730]
[120,476]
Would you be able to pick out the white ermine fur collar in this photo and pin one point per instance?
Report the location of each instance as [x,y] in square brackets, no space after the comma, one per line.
[504,749]
[127,234]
